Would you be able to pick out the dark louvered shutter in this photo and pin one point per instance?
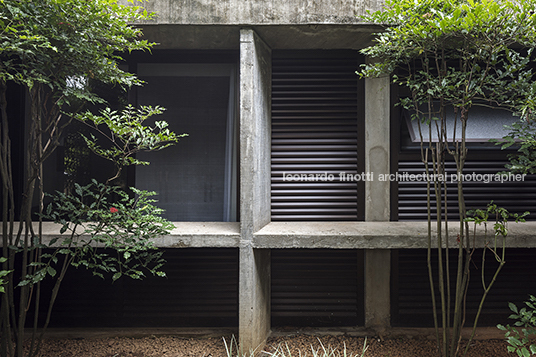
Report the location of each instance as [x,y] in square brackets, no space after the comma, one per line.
[515,196]
[201,289]
[411,303]
[317,112]
[317,287]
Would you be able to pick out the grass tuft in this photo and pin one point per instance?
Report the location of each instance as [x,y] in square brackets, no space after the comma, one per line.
[232,350]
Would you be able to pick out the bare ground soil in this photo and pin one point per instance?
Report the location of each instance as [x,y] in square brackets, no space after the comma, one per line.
[174,346]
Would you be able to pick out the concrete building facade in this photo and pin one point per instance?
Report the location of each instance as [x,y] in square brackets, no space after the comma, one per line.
[255,29]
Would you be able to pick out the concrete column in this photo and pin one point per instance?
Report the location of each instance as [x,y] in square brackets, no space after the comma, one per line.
[377,201]
[255,137]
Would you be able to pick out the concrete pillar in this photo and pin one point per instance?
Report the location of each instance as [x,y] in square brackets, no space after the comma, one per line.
[255,137]
[377,201]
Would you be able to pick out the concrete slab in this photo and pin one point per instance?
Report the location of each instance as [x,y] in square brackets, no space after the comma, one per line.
[184,235]
[375,235]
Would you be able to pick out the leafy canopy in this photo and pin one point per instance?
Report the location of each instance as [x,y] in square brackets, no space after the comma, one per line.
[53,41]
[128,134]
[461,52]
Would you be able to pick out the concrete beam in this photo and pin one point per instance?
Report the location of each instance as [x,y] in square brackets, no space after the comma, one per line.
[324,235]
[255,139]
[184,235]
[294,37]
[378,235]
[254,12]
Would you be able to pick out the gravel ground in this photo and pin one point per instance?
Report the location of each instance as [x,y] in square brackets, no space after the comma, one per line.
[171,346]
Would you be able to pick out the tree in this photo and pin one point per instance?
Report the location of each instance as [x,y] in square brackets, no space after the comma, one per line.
[453,56]
[58,50]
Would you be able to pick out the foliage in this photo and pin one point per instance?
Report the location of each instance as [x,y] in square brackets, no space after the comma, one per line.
[522,135]
[459,52]
[128,134]
[521,342]
[60,51]
[497,247]
[57,42]
[3,273]
[450,57]
[93,219]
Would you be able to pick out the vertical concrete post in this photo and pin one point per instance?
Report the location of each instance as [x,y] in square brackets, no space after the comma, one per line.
[255,138]
[377,201]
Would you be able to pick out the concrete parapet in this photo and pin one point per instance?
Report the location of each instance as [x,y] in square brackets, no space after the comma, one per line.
[251,12]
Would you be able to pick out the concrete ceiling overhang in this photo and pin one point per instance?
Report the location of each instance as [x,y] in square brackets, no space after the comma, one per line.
[227,37]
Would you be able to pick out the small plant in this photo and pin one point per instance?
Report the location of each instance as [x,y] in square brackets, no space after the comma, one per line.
[233,350]
[322,351]
[281,350]
[521,342]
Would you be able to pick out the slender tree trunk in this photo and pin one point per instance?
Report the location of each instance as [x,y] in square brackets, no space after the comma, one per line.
[8,206]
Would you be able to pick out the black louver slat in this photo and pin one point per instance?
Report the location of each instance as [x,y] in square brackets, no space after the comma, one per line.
[513,195]
[412,303]
[315,113]
[201,289]
[316,287]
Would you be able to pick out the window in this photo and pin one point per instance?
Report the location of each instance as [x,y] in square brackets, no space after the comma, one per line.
[484,123]
[196,179]
[484,160]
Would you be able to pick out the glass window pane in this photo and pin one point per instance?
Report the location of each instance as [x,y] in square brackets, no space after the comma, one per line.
[190,176]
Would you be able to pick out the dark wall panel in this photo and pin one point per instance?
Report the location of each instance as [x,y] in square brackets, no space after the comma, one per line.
[317,129]
[201,289]
[515,196]
[317,287]
[412,302]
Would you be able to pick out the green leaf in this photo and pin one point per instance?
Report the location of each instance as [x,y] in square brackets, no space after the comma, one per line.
[513,307]
[533,349]
[51,271]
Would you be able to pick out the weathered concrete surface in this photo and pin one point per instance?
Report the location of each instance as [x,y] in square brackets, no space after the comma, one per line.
[377,148]
[255,139]
[255,132]
[378,289]
[254,307]
[295,37]
[201,234]
[184,235]
[377,201]
[374,235]
[136,332]
[251,12]
[482,333]
[335,235]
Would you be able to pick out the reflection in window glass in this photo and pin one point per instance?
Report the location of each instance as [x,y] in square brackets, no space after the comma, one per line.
[483,124]
[194,179]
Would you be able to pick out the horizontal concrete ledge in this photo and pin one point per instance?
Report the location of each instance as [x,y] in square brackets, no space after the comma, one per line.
[482,333]
[331,235]
[134,332]
[184,235]
[375,235]
[202,234]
